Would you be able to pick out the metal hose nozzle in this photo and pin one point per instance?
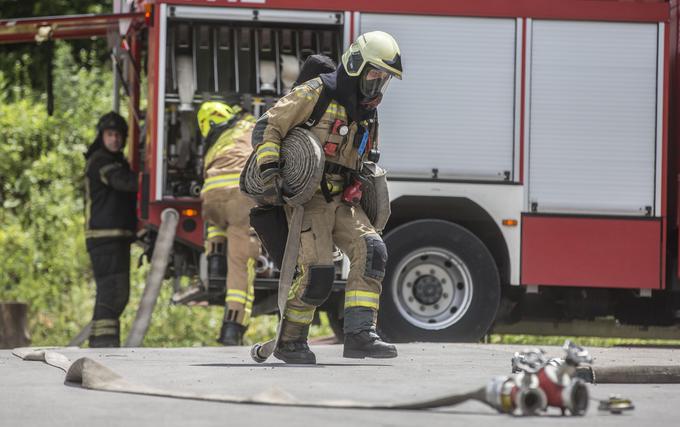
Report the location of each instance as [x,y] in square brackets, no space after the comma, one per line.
[263,265]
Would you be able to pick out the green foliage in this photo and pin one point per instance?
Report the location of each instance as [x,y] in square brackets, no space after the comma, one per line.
[33,58]
[535,340]
[42,254]
[43,260]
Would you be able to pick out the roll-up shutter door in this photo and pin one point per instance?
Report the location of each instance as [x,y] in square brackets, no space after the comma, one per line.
[454,110]
[593,118]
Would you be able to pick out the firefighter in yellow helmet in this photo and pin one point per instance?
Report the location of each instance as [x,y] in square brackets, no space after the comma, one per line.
[231,245]
[348,130]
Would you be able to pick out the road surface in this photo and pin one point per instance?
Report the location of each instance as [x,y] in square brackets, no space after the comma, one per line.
[33,393]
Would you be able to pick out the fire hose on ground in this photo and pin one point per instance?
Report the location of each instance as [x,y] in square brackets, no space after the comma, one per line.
[504,395]
[536,385]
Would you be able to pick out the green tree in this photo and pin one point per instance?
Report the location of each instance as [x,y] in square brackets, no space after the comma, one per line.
[33,59]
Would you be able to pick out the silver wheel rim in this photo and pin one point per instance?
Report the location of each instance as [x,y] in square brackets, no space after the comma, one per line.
[432,288]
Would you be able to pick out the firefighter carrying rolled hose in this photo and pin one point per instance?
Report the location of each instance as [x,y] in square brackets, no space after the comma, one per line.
[348,131]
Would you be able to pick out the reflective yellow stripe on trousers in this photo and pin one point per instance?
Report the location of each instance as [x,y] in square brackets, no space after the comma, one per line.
[221,181]
[215,232]
[238,296]
[362,299]
[299,316]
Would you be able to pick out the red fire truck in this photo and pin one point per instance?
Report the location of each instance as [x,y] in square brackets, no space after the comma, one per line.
[531,149]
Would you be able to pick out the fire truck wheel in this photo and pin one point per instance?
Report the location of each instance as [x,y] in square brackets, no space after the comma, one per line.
[441,284]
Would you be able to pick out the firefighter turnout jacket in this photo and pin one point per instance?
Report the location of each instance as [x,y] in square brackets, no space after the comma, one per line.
[110,188]
[226,158]
[346,145]
[226,212]
[110,224]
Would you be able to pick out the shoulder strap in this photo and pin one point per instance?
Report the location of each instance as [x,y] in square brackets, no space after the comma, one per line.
[218,130]
[319,109]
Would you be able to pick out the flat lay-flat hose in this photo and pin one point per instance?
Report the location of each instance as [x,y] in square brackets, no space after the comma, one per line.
[159,263]
[91,374]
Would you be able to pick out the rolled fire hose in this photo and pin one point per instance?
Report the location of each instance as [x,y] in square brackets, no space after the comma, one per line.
[93,375]
[159,264]
[375,200]
[302,160]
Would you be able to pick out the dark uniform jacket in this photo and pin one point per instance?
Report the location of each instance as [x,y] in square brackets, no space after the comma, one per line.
[110,186]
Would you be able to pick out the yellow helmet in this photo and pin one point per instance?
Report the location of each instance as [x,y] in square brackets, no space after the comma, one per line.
[213,113]
[376,48]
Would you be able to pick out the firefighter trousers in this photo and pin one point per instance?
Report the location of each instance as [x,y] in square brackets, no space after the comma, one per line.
[325,224]
[226,212]
[111,266]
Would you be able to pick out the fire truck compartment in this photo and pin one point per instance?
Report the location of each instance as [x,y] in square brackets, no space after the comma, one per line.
[454,115]
[235,55]
[592,252]
[595,114]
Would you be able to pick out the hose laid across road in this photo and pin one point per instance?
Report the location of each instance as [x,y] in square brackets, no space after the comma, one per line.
[93,375]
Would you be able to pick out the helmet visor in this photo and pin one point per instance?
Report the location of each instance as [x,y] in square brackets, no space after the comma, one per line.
[374,82]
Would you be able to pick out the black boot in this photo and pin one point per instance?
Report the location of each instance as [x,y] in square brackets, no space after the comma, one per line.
[297,352]
[104,333]
[367,343]
[104,341]
[231,334]
[292,347]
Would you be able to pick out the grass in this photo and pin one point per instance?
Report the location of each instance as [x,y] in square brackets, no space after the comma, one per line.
[536,340]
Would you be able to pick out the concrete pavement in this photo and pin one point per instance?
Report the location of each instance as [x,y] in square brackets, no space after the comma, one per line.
[32,393]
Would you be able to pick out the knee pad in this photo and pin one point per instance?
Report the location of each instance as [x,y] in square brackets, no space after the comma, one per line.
[321,278]
[376,257]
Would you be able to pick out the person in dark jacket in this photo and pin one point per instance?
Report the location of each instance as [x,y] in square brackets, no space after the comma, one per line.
[110,224]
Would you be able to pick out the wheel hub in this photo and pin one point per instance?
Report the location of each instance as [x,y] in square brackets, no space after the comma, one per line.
[432,288]
[428,290]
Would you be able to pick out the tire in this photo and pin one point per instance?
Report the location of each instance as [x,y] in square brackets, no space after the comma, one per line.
[441,284]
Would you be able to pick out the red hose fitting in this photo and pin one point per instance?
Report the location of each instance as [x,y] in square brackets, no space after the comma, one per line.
[518,395]
[563,390]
